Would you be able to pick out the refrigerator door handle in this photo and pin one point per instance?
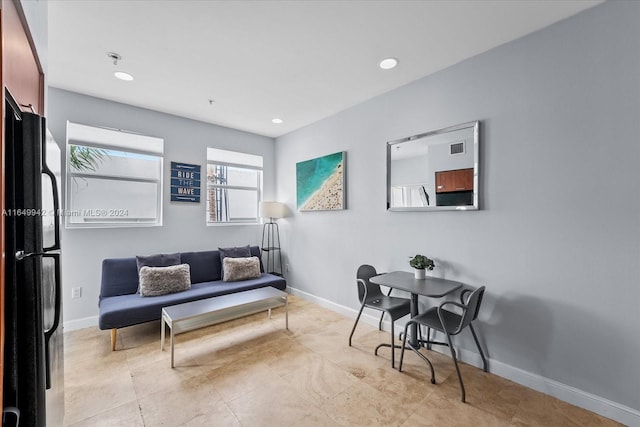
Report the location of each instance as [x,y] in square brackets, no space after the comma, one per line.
[20,255]
[56,316]
[56,208]
[10,410]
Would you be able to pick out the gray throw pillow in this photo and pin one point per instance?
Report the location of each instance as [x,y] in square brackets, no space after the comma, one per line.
[236,269]
[158,260]
[164,280]
[237,252]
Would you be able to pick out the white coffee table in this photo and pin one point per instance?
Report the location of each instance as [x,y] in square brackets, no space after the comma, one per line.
[198,314]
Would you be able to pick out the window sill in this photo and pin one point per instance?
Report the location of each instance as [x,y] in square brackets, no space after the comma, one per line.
[115,225]
[230,224]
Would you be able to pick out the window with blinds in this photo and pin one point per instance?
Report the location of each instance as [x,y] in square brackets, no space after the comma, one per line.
[114,178]
[234,186]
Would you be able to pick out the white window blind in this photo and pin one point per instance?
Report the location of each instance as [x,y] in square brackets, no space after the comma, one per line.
[234,186]
[114,178]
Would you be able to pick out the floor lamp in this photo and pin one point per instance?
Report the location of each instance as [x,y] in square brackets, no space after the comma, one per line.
[271,236]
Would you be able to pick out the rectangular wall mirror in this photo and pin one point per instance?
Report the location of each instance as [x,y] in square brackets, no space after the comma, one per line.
[435,170]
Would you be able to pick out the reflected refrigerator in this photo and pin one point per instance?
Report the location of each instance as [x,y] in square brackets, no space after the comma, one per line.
[33,389]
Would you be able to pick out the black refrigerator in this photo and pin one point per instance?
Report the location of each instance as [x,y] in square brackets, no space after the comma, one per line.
[33,389]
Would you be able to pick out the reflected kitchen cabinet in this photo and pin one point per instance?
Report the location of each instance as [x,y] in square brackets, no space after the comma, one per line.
[454,180]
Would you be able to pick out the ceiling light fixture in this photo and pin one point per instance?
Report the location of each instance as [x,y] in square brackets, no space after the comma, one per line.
[388,63]
[123,76]
[115,57]
[276,121]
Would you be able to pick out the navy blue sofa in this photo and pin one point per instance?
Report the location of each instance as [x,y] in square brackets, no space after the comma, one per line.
[120,304]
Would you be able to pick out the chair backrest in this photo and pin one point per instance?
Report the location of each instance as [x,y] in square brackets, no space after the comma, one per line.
[364,273]
[473,307]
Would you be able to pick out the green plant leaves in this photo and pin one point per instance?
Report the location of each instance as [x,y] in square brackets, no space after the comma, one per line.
[86,158]
[422,262]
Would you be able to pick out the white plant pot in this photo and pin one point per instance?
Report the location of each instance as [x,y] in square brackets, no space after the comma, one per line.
[418,273]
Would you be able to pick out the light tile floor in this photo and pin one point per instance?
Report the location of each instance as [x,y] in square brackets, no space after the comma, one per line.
[253,372]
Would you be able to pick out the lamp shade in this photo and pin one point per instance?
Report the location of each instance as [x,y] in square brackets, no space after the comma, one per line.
[271,210]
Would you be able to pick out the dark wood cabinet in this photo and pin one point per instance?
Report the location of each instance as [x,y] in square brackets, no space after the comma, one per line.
[22,72]
[454,180]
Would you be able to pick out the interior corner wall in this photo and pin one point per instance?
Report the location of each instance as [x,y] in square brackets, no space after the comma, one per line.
[183,228]
[557,239]
[36,14]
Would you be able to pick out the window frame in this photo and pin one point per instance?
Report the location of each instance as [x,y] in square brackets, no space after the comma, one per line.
[246,166]
[114,221]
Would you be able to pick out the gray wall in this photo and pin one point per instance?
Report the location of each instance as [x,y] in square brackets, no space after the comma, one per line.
[557,241]
[183,227]
[410,171]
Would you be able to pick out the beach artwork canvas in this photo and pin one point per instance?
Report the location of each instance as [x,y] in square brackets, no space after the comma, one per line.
[320,183]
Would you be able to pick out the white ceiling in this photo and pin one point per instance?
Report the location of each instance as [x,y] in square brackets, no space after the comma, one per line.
[300,61]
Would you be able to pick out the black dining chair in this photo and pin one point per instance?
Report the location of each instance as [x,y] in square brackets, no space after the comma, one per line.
[450,323]
[371,296]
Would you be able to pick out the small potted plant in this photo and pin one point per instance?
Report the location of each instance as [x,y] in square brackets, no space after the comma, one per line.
[420,263]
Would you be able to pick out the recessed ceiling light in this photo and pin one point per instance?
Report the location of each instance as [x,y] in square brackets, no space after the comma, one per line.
[276,121]
[123,76]
[388,63]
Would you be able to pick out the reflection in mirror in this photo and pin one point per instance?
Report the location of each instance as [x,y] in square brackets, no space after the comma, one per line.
[435,170]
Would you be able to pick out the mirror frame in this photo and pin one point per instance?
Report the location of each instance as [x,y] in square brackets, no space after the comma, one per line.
[475,125]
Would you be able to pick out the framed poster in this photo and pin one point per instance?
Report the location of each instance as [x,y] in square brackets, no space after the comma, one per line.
[185,182]
[321,182]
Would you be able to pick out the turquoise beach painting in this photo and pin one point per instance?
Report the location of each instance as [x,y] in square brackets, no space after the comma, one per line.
[320,183]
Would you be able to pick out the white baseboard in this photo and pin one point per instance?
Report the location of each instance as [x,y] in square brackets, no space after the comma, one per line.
[346,311]
[599,405]
[607,408]
[74,325]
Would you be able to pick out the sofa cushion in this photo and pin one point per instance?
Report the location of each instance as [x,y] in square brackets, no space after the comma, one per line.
[158,260]
[205,265]
[119,277]
[235,252]
[235,269]
[156,281]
